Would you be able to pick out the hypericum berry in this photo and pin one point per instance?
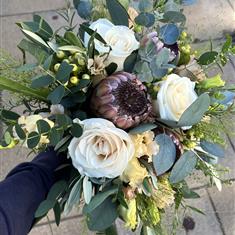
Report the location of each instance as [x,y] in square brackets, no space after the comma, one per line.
[56,67]
[86,76]
[60,55]
[74,80]
[75,68]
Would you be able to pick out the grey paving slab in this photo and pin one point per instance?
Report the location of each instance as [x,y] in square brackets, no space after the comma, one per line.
[14,7]
[210,19]
[72,227]
[208,224]
[42,230]
[225,207]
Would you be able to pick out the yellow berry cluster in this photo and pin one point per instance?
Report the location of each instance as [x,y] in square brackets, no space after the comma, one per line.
[77,61]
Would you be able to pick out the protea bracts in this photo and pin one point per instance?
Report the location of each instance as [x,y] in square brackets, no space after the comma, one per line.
[122,99]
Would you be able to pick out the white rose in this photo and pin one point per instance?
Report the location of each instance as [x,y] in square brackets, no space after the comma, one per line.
[120,38]
[29,124]
[102,151]
[176,94]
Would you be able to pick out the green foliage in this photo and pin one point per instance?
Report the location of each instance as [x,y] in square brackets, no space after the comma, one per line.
[38,26]
[76,130]
[183,167]
[98,199]
[142,128]
[166,156]
[51,201]
[33,139]
[169,33]
[145,19]
[64,72]
[87,190]
[145,5]
[42,81]
[98,220]
[118,13]
[212,148]
[84,8]
[56,96]
[74,196]
[207,58]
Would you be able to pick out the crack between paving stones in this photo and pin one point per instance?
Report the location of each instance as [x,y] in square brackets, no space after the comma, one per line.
[216,213]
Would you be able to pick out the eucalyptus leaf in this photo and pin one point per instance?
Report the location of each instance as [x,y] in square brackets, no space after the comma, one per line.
[212,148]
[33,139]
[42,81]
[142,128]
[174,17]
[145,5]
[145,19]
[166,156]
[99,199]
[169,33]
[130,61]
[43,126]
[20,132]
[183,167]
[44,208]
[195,111]
[117,12]
[56,190]
[55,136]
[76,130]
[103,216]
[64,72]
[9,115]
[84,8]
[74,196]
[39,53]
[56,96]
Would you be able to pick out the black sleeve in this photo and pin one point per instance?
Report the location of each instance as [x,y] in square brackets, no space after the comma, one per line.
[25,187]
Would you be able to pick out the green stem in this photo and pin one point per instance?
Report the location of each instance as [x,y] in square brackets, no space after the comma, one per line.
[16,87]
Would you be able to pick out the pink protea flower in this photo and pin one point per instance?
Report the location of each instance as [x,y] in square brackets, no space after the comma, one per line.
[122,99]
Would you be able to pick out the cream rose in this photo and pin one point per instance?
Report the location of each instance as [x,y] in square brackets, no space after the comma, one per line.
[102,151]
[176,94]
[120,38]
[29,124]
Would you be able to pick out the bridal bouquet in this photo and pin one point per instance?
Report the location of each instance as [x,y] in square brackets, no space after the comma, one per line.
[128,100]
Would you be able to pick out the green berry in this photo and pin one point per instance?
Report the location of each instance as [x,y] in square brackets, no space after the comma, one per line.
[86,76]
[74,80]
[60,55]
[56,67]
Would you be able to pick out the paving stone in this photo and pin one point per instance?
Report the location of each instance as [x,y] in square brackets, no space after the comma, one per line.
[225,207]
[204,224]
[42,230]
[14,7]
[210,19]
[72,227]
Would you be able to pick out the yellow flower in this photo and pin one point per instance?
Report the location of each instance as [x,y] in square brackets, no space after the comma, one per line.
[129,215]
[164,195]
[134,173]
[144,146]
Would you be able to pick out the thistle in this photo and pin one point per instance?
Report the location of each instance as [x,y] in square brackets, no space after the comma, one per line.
[122,99]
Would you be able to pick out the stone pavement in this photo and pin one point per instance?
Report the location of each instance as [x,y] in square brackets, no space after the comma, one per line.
[208,19]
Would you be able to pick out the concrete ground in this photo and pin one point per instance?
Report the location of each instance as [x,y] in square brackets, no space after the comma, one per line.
[209,19]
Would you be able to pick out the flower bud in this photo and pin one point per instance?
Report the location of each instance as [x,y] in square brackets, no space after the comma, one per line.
[74,80]
[56,67]
[86,76]
[60,54]
[211,83]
